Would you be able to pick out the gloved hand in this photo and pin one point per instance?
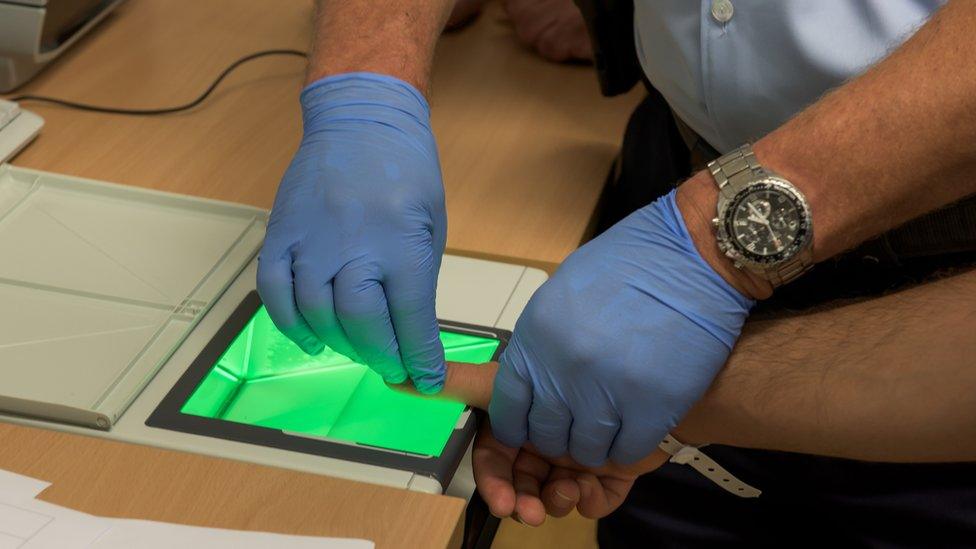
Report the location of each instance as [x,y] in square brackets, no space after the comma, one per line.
[617,346]
[358,229]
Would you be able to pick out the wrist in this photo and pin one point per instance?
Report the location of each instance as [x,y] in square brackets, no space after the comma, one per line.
[833,226]
[706,423]
[418,80]
[697,200]
[364,91]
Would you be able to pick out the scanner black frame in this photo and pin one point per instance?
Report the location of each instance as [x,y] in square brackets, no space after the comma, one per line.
[168,414]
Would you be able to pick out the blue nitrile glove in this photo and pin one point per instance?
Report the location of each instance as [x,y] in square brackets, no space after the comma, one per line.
[358,229]
[617,346]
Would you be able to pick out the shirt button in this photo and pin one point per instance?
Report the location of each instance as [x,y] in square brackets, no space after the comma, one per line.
[722,10]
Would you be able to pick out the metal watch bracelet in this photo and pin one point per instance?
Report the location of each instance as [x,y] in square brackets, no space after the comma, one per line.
[733,172]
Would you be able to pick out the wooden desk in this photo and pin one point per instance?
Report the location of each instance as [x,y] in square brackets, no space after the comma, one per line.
[125,480]
[525,144]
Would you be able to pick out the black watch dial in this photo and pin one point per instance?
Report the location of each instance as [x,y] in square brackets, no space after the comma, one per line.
[767,223]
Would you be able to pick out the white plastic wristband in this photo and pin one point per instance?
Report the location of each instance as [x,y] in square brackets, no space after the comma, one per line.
[691,455]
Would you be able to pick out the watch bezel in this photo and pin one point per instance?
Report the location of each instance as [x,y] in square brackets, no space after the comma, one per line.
[737,252]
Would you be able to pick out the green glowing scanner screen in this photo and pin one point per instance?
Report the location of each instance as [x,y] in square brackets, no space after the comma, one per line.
[264,379]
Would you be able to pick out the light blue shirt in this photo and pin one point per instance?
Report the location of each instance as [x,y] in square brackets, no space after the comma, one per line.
[735,78]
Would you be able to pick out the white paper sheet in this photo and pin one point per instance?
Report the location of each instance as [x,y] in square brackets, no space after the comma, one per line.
[157,535]
[28,523]
[14,486]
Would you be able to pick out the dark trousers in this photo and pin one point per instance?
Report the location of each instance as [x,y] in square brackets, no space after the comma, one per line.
[807,500]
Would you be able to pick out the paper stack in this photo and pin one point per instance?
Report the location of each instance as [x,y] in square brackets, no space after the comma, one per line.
[29,523]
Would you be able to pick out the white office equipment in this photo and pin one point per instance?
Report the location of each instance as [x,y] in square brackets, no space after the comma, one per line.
[33,33]
[17,128]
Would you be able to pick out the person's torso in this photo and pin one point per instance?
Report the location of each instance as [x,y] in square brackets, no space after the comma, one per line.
[736,78]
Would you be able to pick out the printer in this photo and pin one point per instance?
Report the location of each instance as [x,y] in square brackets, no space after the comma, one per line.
[33,33]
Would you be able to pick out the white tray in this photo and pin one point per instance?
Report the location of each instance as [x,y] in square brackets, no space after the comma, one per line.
[99,285]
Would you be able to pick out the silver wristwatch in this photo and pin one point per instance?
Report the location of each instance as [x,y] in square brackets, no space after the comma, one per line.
[763,223]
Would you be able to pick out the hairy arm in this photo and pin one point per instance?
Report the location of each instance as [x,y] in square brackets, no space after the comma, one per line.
[890,379]
[889,146]
[396,39]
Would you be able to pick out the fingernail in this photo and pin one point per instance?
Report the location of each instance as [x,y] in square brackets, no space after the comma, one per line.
[396,379]
[585,488]
[392,373]
[563,496]
[314,349]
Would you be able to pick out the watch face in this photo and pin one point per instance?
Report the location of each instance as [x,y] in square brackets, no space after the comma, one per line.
[767,223]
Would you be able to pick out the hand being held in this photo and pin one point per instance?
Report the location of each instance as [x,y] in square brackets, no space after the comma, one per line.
[553,28]
[521,482]
[358,229]
[617,346]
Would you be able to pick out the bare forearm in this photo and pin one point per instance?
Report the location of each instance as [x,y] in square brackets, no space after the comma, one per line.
[891,379]
[889,146]
[396,37]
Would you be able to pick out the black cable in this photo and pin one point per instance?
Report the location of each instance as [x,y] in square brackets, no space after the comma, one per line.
[165,110]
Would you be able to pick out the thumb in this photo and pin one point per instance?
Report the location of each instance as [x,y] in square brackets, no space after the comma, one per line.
[464,382]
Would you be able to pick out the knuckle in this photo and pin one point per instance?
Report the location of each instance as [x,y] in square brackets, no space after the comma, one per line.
[414,298]
[511,379]
[352,306]
[544,317]
[268,278]
[409,202]
[508,378]
[311,297]
[358,297]
[547,413]
[397,201]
